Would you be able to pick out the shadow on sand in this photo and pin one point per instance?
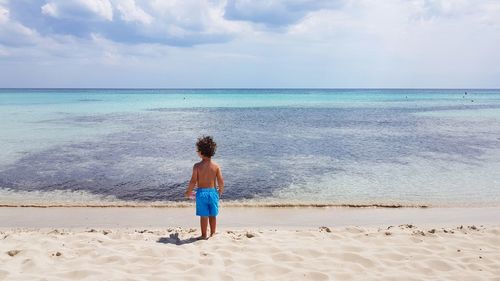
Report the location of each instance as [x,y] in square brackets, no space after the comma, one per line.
[175,240]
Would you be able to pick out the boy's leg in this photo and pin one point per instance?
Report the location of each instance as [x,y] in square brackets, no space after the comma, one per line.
[203,225]
[213,225]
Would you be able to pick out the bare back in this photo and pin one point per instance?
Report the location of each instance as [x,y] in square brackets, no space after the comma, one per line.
[206,173]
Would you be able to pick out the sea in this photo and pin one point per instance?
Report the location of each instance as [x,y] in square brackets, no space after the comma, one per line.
[276,147]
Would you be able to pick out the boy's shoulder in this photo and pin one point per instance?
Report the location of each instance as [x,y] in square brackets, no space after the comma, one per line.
[213,163]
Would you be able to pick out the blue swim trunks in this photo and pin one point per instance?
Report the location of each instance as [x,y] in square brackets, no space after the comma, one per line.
[207,202]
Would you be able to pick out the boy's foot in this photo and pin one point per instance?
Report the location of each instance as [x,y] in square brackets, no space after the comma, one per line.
[201,238]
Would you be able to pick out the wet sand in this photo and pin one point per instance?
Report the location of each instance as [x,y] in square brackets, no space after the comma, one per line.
[242,217]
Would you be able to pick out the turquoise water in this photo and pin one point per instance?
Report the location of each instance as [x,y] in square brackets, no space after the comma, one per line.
[277,147]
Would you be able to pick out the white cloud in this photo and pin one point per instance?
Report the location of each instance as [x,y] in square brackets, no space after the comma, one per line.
[13,33]
[50,9]
[275,13]
[187,14]
[3,52]
[79,9]
[185,22]
[436,8]
[102,8]
[490,14]
[4,14]
[174,22]
[131,12]
[363,43]
[481,12]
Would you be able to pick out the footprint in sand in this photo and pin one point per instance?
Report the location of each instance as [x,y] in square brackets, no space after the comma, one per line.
[439,265]
[79,274]
[284,257]
[317,276]
[261,271]
[354,230]
[355,258]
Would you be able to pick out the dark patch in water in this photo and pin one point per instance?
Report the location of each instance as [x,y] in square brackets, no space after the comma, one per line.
[262,149]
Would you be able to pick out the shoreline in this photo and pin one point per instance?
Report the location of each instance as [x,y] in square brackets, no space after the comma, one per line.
[286,217]
[231,205]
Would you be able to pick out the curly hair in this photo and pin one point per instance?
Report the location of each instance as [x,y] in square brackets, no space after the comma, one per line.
[206,146]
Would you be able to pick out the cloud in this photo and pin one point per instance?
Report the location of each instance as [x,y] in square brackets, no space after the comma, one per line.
[3,52]
[177,23]
[482,11]
[182,23]
[490,12]
[275,13]
[440,8]
[13,33]
[50,9]
[79,9]
[348,43]
[4,14]
[130,12]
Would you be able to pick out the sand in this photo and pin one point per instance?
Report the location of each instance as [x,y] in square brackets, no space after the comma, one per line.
[431,250]
[284,218]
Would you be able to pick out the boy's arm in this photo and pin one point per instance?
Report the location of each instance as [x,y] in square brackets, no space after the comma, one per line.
[220,181]
[192,183]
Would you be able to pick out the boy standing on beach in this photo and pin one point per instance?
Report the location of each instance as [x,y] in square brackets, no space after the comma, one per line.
[206,174]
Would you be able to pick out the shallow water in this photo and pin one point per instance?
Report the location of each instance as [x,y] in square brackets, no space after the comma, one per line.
[333,147]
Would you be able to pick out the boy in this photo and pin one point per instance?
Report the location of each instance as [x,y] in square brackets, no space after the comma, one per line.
[206,174]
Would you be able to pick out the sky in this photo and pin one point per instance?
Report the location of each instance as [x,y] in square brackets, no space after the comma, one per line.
[250,43]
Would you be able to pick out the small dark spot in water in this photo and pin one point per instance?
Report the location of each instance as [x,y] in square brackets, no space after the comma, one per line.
[89,100]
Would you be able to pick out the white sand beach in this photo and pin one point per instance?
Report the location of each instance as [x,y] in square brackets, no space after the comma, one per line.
[430,250]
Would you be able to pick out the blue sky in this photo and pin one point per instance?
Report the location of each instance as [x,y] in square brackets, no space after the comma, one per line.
[244,43]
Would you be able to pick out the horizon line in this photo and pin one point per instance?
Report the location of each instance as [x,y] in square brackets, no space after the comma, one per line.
[236,88]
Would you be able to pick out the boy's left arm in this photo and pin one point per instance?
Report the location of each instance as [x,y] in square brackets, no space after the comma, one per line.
[192,184]
[220,181]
